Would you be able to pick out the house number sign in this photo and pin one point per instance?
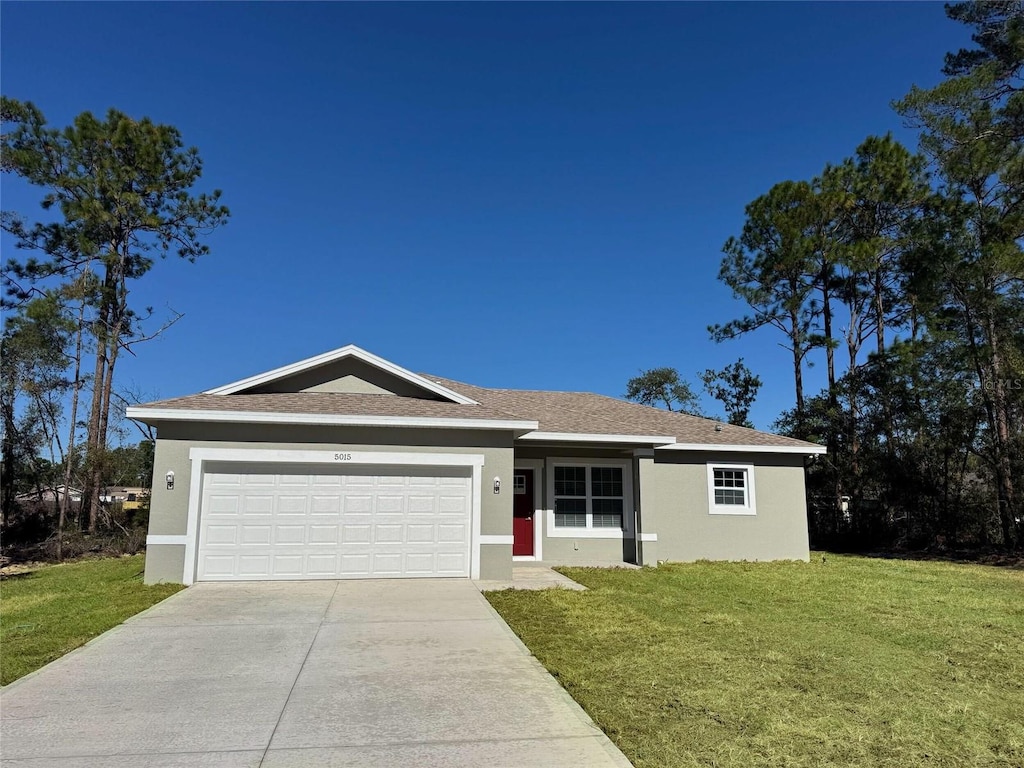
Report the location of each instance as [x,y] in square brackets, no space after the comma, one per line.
[343,457]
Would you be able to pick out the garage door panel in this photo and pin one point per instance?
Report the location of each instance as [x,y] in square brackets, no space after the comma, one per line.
[451,564]
[289,534]
[254,565]
[363,523]
[326,505]
[223,479]
[323,534]
[292,505]
[220,504]
[387,534]
[420,562]
[420,533]
[355,534]
[255,534]
[325,565]
[358,503]
[452,505]
[452,532]
[422,505]
[288,566]
[353,566]
[257,505]
[387,563]
[390,504]
[222,534]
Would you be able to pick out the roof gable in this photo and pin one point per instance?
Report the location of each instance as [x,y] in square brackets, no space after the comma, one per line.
[348,369]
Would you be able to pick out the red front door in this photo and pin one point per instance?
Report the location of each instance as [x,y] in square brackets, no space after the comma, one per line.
[522,512]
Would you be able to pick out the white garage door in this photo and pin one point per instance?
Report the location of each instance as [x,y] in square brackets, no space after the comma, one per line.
[360,523]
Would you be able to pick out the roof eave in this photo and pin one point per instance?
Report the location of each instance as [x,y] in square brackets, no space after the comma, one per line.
[151,415]
[808,449]
[588,437]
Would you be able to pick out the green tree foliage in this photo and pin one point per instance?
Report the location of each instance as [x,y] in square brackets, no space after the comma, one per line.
[116,194]
[663,386]
[767,267]
[32,376]
[922,256]
[735,386]
[131,465]
[972,126]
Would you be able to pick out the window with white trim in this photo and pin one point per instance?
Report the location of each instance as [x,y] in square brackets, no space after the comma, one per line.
[731,489]
[589,496]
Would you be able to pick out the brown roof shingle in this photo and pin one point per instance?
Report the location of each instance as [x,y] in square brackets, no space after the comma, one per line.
[560,412]
[585,412]
[337,403]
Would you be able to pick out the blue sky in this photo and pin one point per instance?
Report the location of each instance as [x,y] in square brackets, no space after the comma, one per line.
[515,195]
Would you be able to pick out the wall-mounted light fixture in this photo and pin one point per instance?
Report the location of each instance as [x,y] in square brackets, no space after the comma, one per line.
[497,485]
[170,480]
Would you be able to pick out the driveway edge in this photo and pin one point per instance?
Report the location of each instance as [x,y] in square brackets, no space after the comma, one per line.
[609,746]
[15,683]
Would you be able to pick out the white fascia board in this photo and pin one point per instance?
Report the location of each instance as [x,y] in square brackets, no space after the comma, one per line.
[584,437]
[808,450]
[148,415]
[351,350]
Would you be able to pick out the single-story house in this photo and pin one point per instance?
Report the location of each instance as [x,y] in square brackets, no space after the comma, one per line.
[128,498]
[346,465]
[51,494]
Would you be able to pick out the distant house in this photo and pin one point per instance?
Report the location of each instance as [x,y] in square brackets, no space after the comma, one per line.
[346,465]
[128,498]
[50,495]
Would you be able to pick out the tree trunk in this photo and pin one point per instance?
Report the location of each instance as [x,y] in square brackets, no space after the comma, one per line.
[826,318]
[798,380]
[1001,432]
[91,491]
[115,301]
[879,303]
[10,435]
[76,388]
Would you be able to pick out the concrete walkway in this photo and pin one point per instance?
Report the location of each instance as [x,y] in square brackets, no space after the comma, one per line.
[531,576]
[317,673]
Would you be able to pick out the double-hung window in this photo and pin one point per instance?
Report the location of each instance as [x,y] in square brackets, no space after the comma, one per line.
[589,497]
[731,489]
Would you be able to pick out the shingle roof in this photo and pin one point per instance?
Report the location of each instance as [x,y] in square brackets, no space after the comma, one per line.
[335,403]
[556,412]
[585,412]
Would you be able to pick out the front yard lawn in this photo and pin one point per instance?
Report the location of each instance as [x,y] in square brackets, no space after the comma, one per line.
[53,610]
[843,661]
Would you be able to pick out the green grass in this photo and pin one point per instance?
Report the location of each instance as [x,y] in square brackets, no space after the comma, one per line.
[55,609]
[848,662]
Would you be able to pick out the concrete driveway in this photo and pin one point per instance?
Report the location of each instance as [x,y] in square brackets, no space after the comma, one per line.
[317,673]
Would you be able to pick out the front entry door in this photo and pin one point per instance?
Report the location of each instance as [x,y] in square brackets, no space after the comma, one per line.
[522,513]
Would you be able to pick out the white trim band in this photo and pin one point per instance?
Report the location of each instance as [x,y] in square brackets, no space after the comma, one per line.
[148,415]
[584,437]
[808,450]
[496,538]
[648,537]
[158,539]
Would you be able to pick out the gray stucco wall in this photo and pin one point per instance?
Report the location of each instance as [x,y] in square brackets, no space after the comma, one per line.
[169,509]
[578,550]
[670,499]
[674,504]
